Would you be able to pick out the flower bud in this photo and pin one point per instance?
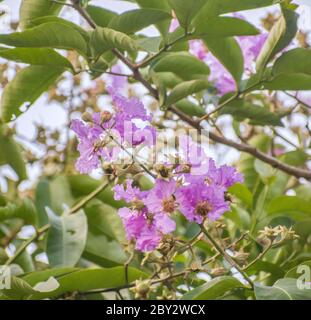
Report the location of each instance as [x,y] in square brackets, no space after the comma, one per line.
[87,117]
[105,116]
[141,289]
[220,271]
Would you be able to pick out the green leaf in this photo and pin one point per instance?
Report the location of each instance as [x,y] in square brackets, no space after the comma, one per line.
[150,44]
[186,89]
[217,7]
[279,37]
[49,34]
[289,81]
[213,289]
[294,158]
[243,193]
[101,16]
[183,64]
[294,61]
[66,238]
[223,27]
[24,210]
[300,270]
[10,152]
[36,56]
[92,279]
[104,39]
[283,289]
[186,10]
[31,9]
[190,108]
[229,53]
[26,87]
[163,26]
[103,252]
[132,21]
[290,206]
[257,115]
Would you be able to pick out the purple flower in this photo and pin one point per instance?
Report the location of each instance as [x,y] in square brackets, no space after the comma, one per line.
[129,194]
[226,176]
[161,199]
[95,136]
[201,201]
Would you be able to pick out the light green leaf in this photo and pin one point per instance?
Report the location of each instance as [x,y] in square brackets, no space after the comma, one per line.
[49,34]
[36,56]
[283,289]
[31,9]
[184,65]
[289,81]
[213,289]
[132,21]
[26,87]
[186,89]
[66,238]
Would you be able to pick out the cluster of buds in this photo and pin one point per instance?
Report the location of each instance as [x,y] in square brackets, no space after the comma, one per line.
[278,235]
[141,289]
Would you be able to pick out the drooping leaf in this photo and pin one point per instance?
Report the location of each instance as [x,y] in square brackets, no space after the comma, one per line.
[31,9]
[25,88]
[66,238]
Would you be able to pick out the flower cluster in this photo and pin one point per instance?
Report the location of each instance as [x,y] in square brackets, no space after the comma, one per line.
[102,135]
[195,187]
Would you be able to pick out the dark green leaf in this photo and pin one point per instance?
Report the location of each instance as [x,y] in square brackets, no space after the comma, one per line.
[190,108]
[101,16]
